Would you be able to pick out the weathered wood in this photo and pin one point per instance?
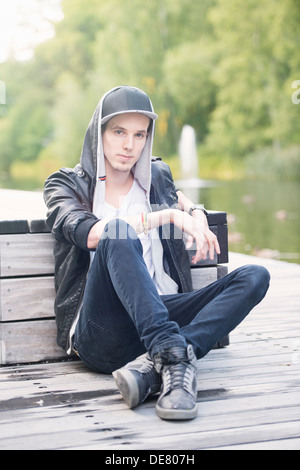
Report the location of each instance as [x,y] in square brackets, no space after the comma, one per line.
[29,341]
[26,255]
[26,298]
[13,226]
[69,407]
[202,277]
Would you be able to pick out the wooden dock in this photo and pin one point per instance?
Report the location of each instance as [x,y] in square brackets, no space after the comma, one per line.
[249,392]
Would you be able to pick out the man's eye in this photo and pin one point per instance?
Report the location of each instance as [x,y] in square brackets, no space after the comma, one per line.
[118,132]
[140,135]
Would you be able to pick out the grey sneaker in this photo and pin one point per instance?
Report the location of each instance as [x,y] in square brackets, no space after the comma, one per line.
[178,398]
[137,380]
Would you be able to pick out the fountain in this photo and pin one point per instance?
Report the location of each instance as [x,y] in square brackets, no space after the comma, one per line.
[190,183]
[188,153]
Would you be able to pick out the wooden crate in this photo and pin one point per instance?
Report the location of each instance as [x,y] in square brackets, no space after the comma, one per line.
[27,320]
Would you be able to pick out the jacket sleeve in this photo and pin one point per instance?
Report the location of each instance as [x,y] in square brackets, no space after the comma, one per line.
[162,181]
[67,197]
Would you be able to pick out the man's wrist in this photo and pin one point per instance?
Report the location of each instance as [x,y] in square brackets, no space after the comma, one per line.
[197,207]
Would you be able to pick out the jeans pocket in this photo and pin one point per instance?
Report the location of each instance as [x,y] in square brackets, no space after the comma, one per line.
[99,349]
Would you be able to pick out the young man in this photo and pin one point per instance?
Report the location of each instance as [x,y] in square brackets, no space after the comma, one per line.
[124,300]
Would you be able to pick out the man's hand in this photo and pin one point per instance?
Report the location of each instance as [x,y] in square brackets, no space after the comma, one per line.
[211,240]
[210,243]
[197,228]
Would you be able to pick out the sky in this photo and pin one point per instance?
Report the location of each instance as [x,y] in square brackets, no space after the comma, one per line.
[24,24]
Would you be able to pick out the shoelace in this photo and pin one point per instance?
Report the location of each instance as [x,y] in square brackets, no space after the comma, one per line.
[178,376]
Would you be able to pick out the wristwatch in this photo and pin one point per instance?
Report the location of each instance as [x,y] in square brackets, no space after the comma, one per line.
[197,207]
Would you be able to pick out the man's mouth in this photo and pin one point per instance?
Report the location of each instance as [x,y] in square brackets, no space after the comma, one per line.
[125,158]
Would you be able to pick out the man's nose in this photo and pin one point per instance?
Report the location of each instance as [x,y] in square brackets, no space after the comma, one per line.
[128,143]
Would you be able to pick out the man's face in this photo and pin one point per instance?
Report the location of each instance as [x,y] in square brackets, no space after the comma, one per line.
[123,141]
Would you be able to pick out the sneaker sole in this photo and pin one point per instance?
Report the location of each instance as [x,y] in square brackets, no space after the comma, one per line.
[128,387]
[175,414]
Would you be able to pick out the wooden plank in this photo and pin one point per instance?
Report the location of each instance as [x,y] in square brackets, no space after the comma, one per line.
[13,226]
[26,298]
[202,277]
[201,440]
[281,444]
[38,226]
[85,416]
[26,255]
[66,411]
[29,341]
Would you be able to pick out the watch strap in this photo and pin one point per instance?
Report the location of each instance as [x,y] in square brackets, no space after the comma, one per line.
[198,207]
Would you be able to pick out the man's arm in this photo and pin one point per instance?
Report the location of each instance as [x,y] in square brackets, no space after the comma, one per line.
[69,215]
[205,240]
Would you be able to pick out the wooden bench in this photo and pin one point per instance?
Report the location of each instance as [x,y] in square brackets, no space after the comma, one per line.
[27,321]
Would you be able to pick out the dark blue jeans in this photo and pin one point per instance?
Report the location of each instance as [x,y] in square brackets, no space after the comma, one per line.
[123,316]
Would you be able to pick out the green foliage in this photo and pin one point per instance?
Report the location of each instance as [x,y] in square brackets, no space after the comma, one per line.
[225,67]
[188,72]
[257,63]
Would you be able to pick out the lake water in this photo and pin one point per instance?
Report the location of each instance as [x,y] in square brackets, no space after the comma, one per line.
[263,217]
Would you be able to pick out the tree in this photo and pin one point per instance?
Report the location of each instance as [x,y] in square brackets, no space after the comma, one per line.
[256,59]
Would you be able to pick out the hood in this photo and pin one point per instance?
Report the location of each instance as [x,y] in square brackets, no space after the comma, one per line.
[119,100]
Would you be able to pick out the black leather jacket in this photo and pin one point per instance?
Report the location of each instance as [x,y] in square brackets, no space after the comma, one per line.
[68,195]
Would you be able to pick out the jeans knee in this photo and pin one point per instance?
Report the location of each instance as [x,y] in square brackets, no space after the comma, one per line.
[257,279]
[119,235]
[264,276]
[118,229]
